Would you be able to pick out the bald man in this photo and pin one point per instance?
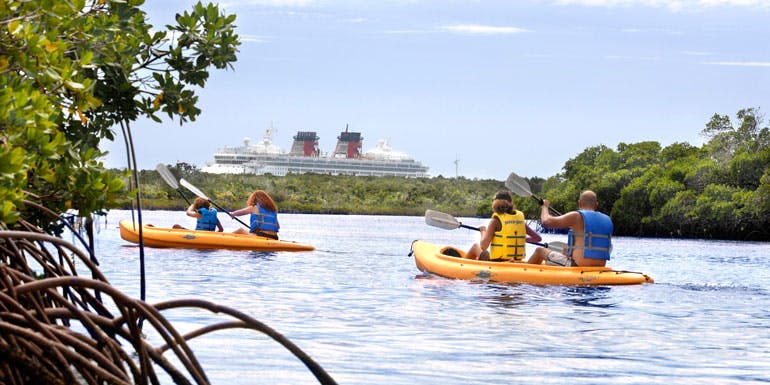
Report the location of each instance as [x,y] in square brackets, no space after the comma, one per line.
[590,235]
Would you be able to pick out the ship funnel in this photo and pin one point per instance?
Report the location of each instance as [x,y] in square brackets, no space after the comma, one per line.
[348,145]
[305,144]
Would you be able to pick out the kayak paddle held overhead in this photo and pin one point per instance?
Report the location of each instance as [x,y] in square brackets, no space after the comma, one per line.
[200,193]
[169,178]
[520,187]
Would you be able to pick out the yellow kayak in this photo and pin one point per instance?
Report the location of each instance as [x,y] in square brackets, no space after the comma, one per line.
[193,239]
[447,261]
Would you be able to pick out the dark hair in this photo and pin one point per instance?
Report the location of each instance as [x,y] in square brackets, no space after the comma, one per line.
[504,194]
[503,202]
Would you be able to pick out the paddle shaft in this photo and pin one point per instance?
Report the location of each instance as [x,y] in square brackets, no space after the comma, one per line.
[448,222]
[520,187]
[551,209]
[170,180]
[228,213]
[179,190]
[478,229]
[200,193]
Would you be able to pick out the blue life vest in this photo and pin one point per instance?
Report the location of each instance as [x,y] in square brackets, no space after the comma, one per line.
[597,236]
[265,220]
[208,219]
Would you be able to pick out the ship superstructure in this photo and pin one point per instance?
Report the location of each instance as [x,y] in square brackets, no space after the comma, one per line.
[305,156]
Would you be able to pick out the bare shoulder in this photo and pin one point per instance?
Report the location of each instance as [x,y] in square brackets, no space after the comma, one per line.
[494,224]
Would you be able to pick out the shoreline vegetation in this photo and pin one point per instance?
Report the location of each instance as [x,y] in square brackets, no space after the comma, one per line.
[718,191]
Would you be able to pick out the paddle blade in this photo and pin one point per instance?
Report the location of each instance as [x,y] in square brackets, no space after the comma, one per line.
[518,185]
[167,176]
[194,189]
[441,220]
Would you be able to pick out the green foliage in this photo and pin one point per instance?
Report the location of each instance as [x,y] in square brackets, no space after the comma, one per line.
[717,191]
[327,194]
[70,71]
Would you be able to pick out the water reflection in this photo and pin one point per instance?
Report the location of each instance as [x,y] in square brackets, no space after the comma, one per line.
[589,296]
[263,255]
[505,296]
[516,295]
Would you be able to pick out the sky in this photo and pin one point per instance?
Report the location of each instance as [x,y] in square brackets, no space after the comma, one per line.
[477,89]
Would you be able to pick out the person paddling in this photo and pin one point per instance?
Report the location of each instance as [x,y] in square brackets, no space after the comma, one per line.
[264,215]
[507,233]
[206,216]
[589,242]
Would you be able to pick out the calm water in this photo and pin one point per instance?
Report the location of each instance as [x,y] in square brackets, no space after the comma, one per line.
[362,310]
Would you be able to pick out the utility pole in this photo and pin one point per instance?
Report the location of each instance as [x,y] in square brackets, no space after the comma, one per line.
[457,167]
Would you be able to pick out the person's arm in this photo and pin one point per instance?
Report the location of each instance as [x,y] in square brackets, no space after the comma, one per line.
[191,212]
[243,211]
[219,226]
[533,236]
[561,222]
[488,233]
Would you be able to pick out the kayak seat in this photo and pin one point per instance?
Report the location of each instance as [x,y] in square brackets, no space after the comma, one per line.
[451,252]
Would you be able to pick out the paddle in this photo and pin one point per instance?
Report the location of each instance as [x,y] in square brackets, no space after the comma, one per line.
[448,222]
[200,193]
[520,187]
[169,178]
[444,221]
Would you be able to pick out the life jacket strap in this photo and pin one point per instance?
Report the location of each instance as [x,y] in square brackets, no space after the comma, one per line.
[590,245]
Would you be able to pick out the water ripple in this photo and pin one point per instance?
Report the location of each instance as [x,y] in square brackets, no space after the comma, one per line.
[361,309]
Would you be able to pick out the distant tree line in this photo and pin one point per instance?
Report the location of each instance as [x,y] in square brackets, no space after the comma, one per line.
[718,191]
[326,194]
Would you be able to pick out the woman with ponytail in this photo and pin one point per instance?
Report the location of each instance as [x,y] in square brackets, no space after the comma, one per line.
[505,237]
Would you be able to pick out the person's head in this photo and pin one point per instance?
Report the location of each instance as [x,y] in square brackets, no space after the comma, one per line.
[588,200]
[264,200]
[503,202]
[201,203]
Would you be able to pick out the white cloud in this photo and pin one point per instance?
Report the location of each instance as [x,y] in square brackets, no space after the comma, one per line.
[467,29]
[740,63]
[670,4]
[652,30]
[633,58]
[696,53]
[749,3]
[272,3]
[475,29]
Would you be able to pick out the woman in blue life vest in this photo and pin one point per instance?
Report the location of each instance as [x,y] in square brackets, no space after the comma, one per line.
[589,242]
[263,215]
[206,216]
[505,237]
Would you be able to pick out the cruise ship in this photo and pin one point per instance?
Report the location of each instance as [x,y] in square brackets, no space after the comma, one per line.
[264,157]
